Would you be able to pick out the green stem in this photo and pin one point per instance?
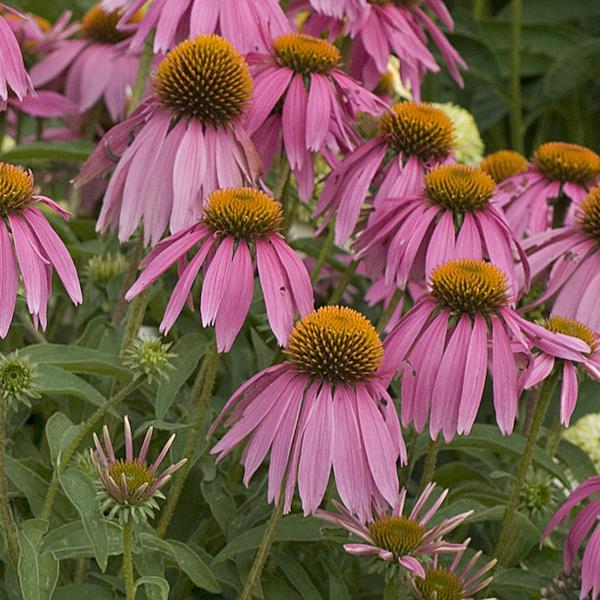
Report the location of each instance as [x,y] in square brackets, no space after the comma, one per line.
[19,127]
[128,559]
[85,429]
[560,209]
[27,323]
[143,73]
[430,463]
[516,109]
[324,253]
[2,130]
[389,311]
[201,389]
[263,553]
[391,589]
[479,9]
[507,533]
[554,436]
[8,521]
[128,279]
[347,276]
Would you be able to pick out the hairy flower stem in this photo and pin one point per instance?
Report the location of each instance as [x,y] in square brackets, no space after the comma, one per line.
[143,73]
[128,279]
[516,108]
[389,311]
[479,9]
[128,576]
[554,435]
[507,533]
[391,589]
[202,390]
[85,429]
[8,521]
[263,552]
[323,254]
[347,276]
[559,213]
[430,463]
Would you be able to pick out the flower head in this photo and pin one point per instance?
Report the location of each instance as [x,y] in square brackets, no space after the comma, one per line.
[238,230]
[325,406]
[404,539]
[131,486]
[37,247]
[17,380]
[503,164]
[150,358]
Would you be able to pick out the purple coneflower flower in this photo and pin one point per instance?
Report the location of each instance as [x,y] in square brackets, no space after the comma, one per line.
[582,524]
[502,166]
[131,485]
[237,225]
[325,406]
[542,364]
[97,67]
[454,217]
[455,582]
[413,138]
[13,75]
[570,256]
[443,342]
[319,104]
[189,141]
[37,247]
[399,538]
[245,23]
[558,171]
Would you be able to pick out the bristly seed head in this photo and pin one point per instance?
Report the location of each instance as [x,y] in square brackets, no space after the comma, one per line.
[590,213]
[100,25]
[459,188]
[16,189]
[306,54]
[418,129]
[244,213]
[135,474]
[503,164]
[564,162]
[335,344]
[440,584]
[204,78]
[400,535]
[574,328]
[468,286]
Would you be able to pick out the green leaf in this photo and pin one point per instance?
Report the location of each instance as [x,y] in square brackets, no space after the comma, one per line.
[77,150]
[189,350]
[71,541]
[53,380]
[37,570]
[264,354]
[27,481]
[60,432]
[159,583]
[77,591]
[578,461]
[81,491]
[296,574]
[186,559]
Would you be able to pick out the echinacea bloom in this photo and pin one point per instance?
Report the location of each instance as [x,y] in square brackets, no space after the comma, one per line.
[454,217]
[188,142]
[444,342]
[413,138]
[568,260]
[238,227]
[455,582]
[558,179]
[37,247]
[245,23]
[504,166]
[586,518]
[131,486]
[325,406]
[97,67]
[542,364]
[319,104]
[13,76]
[397,537]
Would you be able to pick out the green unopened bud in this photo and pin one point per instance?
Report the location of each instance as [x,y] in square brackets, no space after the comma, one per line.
[17,380]
[103,268]
[537,493]
[150,358]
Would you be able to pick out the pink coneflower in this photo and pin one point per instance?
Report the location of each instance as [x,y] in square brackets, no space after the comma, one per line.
[325,406]
[188,142]
[13,75]
[454,217]
[37,247]
[339,8]
[413,138]
[455,582]
[319,103]
[443,343]
[248,221]
[245,23]
[131,486]
[542,364]
[582,524]
[570,256]
[399,538]
[502,167]
[559,173]
[98,67]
